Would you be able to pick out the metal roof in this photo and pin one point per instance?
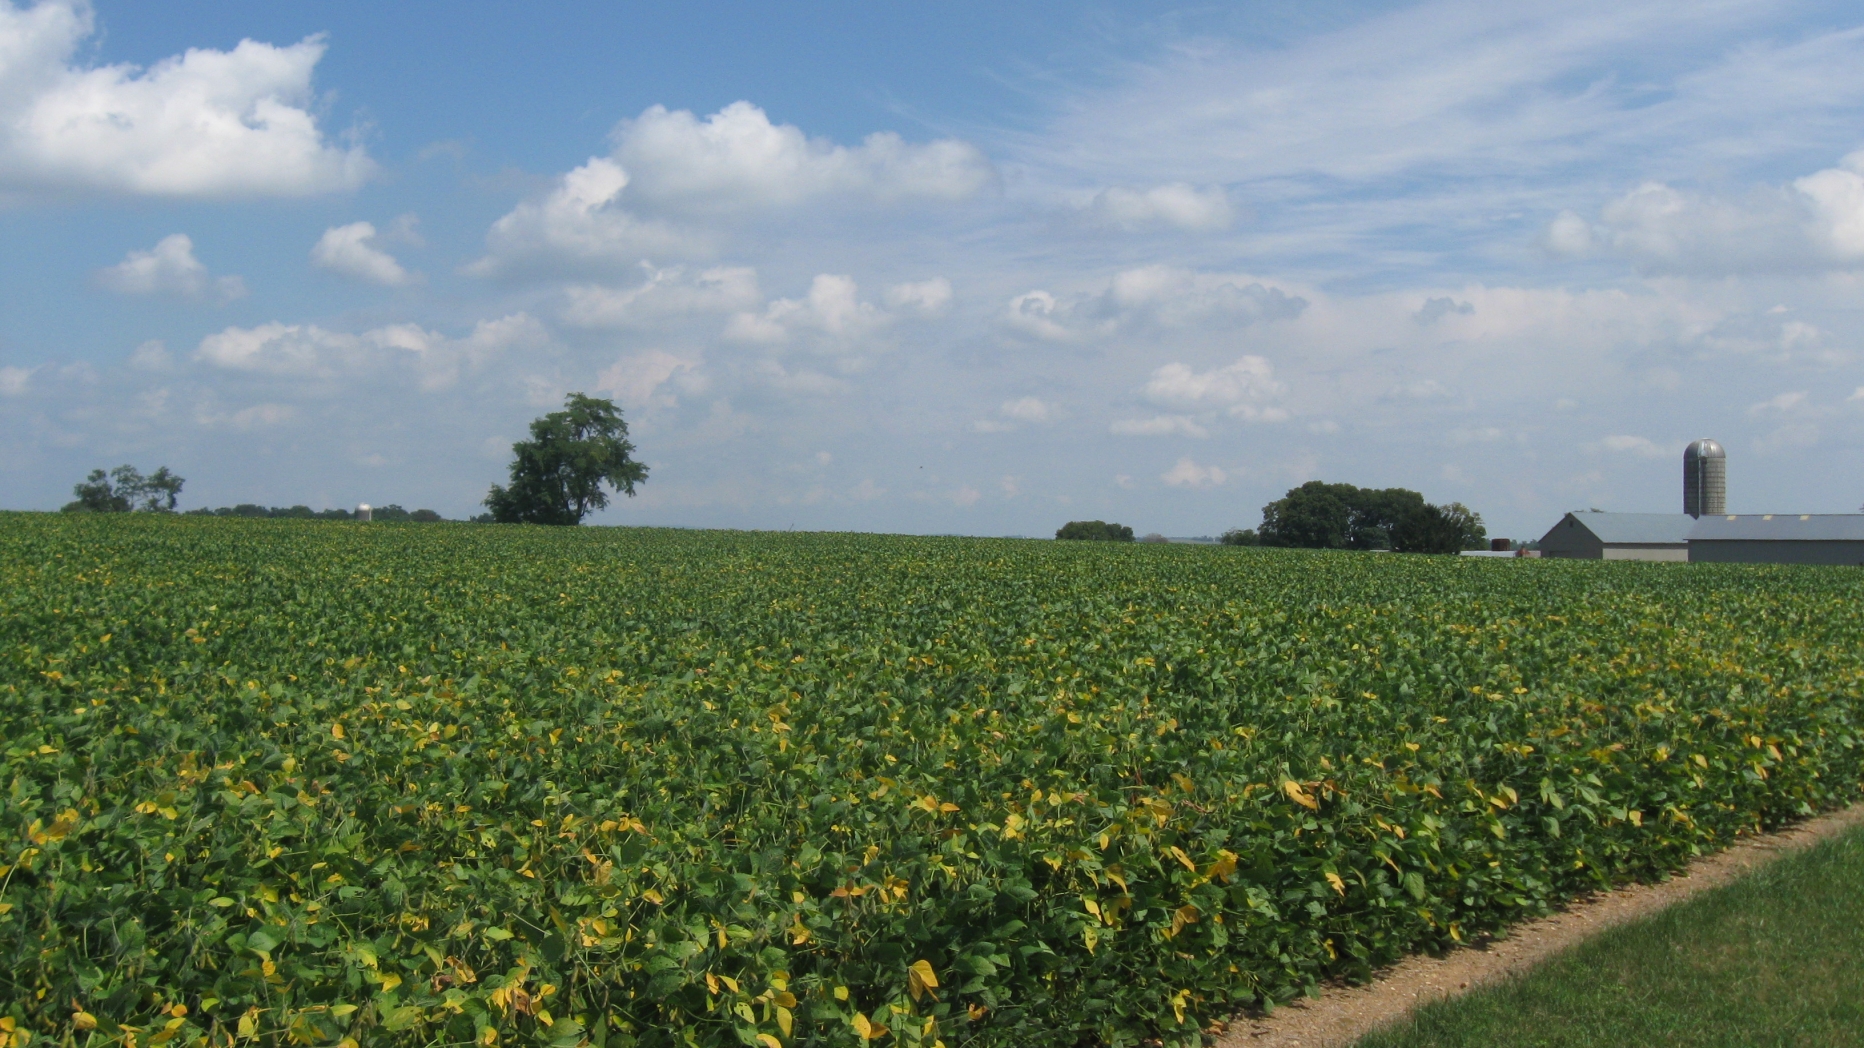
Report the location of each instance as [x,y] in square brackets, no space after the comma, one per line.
[1635,528]
[1802,527]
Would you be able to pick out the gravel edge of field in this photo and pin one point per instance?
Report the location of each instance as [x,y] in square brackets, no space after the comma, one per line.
[1341,1015]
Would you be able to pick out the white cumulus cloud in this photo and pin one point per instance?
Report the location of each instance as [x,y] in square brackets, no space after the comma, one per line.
[205,123]
[670,164]
[1188,474]
[350,251]
[1156,296]
[926,297]
[1159,426]
[667,293]
[833,308]
[1177,204]
[1239,390]
[13,381]
[737,159]
[1627,444]
[637,380]
[1812,223]
[581,222]
[309,351]
[169,268]
[1020,410]
[1785,402]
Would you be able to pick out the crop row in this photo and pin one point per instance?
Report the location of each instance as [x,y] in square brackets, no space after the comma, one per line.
[298,782]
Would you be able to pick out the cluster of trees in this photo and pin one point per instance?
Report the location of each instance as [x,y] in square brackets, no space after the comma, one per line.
[1318,515]
[1094,531]
[124,489]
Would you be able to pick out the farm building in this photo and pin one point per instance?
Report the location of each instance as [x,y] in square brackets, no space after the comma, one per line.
[1619,536]
[1778,538]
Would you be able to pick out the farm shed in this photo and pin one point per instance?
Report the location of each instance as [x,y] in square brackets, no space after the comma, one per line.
[1779,538]
[1594,535]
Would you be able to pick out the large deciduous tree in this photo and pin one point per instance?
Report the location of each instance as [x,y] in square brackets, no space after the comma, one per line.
[557,477]
[1318,515]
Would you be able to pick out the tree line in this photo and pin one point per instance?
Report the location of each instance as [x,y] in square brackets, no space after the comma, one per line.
[126,490]
[1318,515]
[556,477]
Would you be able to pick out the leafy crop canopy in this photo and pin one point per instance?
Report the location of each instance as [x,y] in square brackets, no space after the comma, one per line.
[300,781]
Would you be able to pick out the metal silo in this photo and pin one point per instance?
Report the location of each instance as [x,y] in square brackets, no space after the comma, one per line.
[1705,479]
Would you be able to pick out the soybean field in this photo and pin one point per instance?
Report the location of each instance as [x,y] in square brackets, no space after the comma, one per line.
[321,783]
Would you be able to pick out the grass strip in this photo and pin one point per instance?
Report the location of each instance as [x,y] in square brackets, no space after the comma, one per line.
[1774,959]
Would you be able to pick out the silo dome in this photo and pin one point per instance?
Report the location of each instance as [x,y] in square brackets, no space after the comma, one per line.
[1705,479]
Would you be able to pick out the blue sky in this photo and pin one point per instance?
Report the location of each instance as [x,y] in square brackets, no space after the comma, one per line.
[939,268]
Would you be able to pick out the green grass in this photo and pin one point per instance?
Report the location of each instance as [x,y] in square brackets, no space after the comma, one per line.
[1776,958]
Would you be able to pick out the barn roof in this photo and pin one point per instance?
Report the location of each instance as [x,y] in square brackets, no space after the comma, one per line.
[1637,528]
[1801,527]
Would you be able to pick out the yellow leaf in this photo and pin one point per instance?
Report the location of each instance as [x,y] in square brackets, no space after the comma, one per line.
[336,730]
[1224,866]
[1178,853]
[711,984]
[1183,915]
[84,1020]
[841,993]
[785,1020]
[1338,885]
[1298,795]
[863,1027]
[767,1039]
[389,981]
[920,979]
[653,896]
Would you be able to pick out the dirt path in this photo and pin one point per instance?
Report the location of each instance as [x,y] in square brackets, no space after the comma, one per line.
[1343,1014]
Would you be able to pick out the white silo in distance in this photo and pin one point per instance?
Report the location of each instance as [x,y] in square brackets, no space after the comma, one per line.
[364,513]
[1705,479]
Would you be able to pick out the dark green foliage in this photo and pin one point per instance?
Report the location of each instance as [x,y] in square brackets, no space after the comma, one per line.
[407,785]
[124,489]
[1318,515]
[1775,959]
[557,476]
[249,510]
[1449,528]
[391,513]
[1094,531]
[1240,537]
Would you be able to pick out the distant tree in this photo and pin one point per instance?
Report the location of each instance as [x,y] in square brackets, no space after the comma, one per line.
[1094,531]
[1449,528]
[1240,537]
[124,489]
[557,476]
[424,516]
[1154,537]
[1318,515]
